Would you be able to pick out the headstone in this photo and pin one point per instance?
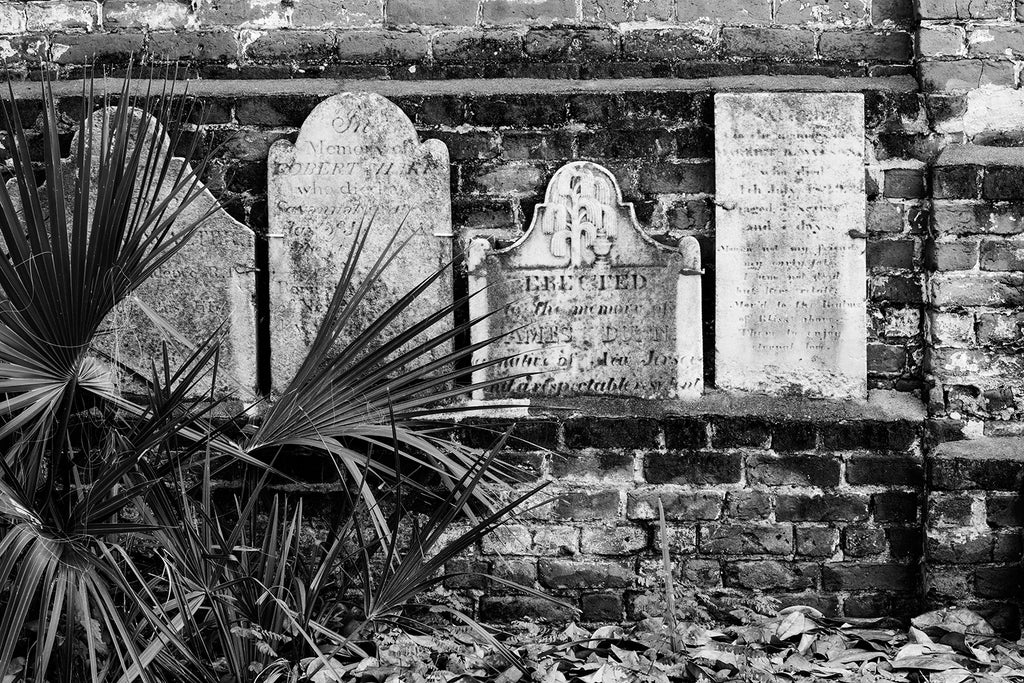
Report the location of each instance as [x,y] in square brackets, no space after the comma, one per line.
[790,235]
[208,286]
[357,162]
[588,303]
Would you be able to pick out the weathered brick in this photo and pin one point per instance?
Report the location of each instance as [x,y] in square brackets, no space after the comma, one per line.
[956,182]
[685,432]
[984,289]
[740,432]
[509,539]
[887,254]
[1002,255]
[383,46]
[678,505]
[951,76]
[884,217]
[1000,328]
[517,111]
[880,46]
[954,218]
[746,539]
[501,45]
[961,9]
[508,179]
[897,11]
[738,11]
[503,609]
[886,358]
[553,541]
[87,48]
[906,544]
[1005,509]
[585,574]
[956,547]
[611,432]
[997,582]
[570,45]
[941,41]
[701,468]
[521,571]
[831,11]
[60,16]
[289,45]
[813,541]
[794,436]
[769,43]
[152,15]
[770,575]
[994,41]
[904,183]
[904,289]
[215,46]
[517,12]
[523,435]
[1007,545]
[979,472]
[949,256]
[861,541]
[748,505]
[286,110]
[617,11]
[944,583]
[618,540]
[951,509]
[895,507]
[602,607]
[592,465]
[885,470]
[822,508]
[899,577]
[871,435]
[585,505]
[655,45]
[627,143]
[794,470]
[673,176]
[466,573]
[553,145]
[681,539]
[448,12]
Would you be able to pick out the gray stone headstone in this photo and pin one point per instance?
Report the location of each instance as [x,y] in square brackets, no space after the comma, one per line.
[209,284]
[790,295]
[357,162]
[590,305]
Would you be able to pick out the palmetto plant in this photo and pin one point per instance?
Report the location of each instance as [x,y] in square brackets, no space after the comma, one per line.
[75,604]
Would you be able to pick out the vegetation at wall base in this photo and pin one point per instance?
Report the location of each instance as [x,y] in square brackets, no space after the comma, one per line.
[119,561]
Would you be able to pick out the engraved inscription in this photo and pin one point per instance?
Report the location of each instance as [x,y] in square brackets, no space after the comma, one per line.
[589,305]
[357,164]
[790,300]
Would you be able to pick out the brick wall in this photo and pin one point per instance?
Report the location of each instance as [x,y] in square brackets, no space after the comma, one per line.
[466,38]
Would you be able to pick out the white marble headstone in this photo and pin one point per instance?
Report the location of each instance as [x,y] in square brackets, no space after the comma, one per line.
[590,305]
[357,162]
[208,286]
[790,295]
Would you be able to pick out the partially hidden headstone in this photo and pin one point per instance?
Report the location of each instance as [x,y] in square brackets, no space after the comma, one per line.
[587,303]
[207,288]
[357,163]
[790,235]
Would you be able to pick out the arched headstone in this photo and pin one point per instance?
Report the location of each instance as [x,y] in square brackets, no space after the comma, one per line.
[590,305]
[357,162]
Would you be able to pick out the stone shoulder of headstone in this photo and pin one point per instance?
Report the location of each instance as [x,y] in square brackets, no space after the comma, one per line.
[588,303]
[209,284]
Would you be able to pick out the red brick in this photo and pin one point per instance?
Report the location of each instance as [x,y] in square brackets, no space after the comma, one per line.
[1003,183]
[602,464]
[602,607]
[895,507]
[602,504]
[891,254]
[884,217]
[885,470]
[672,177]
[898,11]
[611,432]
[518,12]
[291,45]
[503,609]
[861,542]
[886,358]
[956,182]
[449,12]
[904,183]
